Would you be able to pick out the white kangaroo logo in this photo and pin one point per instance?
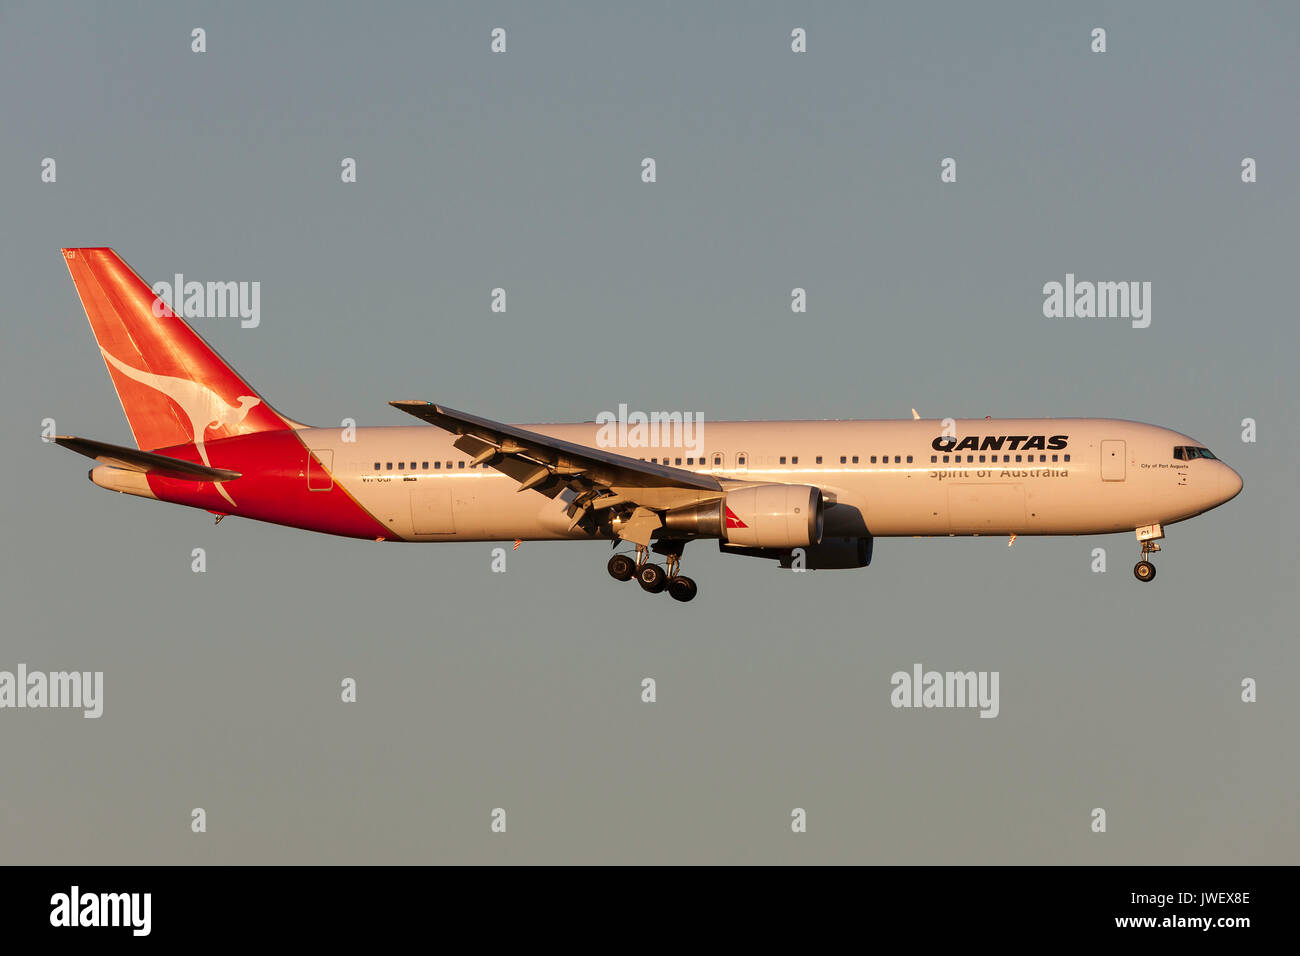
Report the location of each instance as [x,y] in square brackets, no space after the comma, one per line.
[204,407]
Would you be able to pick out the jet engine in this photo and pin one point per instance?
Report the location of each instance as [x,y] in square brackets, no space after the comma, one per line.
[830,553]
[756,516]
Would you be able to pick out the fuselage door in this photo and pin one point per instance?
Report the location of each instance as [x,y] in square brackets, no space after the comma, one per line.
[320,463]
[1112,460]
[431,509]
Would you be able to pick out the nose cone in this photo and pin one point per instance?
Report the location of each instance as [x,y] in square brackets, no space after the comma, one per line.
[1230,484]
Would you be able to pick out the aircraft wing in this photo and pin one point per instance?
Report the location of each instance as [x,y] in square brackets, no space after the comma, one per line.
[595,478]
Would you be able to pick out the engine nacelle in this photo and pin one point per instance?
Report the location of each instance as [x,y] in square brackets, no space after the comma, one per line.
[757,516]
[831,553]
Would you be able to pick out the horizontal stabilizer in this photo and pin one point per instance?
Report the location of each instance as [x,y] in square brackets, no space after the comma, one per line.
[133,459]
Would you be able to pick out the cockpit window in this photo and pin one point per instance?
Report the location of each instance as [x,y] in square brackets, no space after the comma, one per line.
[1188,452]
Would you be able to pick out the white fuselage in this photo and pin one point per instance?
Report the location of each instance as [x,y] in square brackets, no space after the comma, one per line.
[880,478]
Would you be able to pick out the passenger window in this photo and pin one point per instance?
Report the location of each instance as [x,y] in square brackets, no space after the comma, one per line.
[970,458]
[855,459]
[794,460]
[873,459]
[844,459]
[424,466]
[437,464]
[783,459]
[678,461]
[1067,457]
[460,464]
[981,459]
[1053,458]
[389,466]
[819,459]
[909,459]
[376,466]
[945,459]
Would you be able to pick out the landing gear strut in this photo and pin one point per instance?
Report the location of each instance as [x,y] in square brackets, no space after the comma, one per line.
[680,587]
[653,578]
[1144,570]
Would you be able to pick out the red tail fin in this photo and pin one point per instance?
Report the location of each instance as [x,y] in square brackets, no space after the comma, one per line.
[174,388]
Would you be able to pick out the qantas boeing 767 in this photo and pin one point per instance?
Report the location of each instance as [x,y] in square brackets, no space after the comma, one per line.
[807,494]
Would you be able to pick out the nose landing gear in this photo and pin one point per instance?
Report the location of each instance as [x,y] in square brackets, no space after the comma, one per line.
[1144,570]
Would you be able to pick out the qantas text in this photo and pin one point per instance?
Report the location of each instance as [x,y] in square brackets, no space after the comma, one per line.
[997,442]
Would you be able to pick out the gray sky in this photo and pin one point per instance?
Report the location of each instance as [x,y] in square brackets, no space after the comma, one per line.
[522,690]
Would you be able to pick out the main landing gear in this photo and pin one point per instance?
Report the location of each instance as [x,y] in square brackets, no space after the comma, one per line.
[652,577]
[1144,570]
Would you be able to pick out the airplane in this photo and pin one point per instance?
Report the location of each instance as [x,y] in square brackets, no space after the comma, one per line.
[808,494]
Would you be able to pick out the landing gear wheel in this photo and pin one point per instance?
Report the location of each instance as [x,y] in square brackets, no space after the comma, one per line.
[1144,571]
[621,567]
[682,588]
[652,578]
